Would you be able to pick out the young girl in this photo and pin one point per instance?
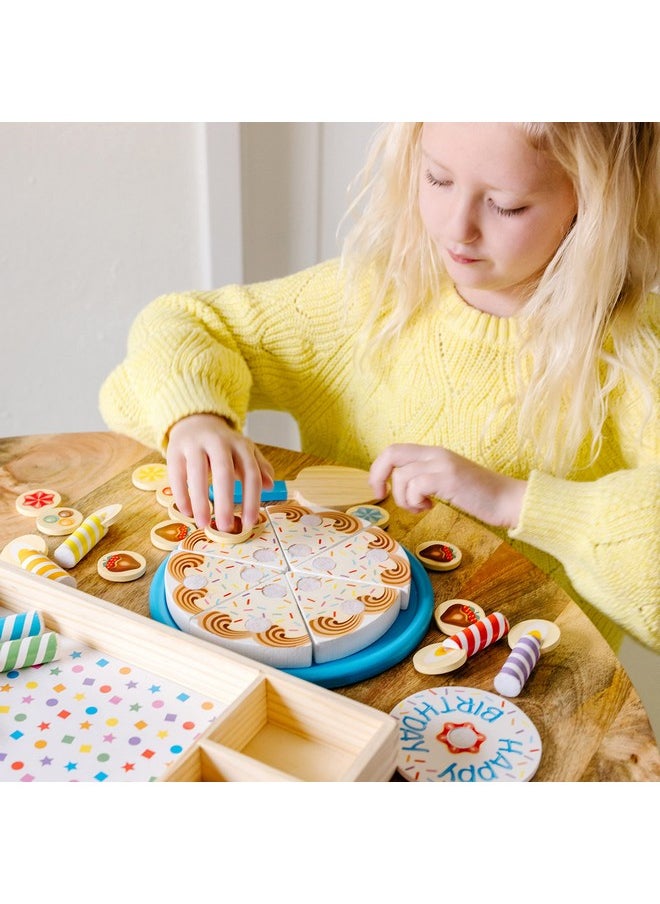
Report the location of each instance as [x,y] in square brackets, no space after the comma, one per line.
[489,338]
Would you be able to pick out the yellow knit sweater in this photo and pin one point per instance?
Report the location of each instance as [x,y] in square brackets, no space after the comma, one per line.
[288,345]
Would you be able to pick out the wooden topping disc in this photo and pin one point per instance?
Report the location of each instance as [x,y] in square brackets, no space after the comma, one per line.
[453,616]
[27,541]
[435,659]
[168,534]
[151,476]
[165,496]
[550,633]
[238,534]
[121,565]
[439,555]
[59,521]
[376,515]
[33,502]
[176,515]
[108,514]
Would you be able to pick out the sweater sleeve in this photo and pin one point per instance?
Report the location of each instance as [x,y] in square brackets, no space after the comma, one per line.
[203,352]
[606,534]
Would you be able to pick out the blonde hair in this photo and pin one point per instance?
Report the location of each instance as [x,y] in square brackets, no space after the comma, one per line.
[583,325]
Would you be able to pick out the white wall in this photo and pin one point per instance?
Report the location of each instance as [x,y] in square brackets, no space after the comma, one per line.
[97,219]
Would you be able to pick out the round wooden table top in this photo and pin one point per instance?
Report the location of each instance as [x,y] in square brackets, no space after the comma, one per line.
[591,721]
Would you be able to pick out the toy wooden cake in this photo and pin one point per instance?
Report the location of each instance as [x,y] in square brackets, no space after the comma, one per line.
[303,587]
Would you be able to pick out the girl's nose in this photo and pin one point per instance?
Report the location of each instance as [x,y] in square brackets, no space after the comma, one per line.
[463,224]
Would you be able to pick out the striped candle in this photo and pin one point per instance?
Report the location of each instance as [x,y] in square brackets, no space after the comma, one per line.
[37,563]
[80,542]
[522,660]
[21,624]
[480,634]
[18,654]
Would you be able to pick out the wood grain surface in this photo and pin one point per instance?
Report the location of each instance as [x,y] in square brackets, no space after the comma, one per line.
[591,721]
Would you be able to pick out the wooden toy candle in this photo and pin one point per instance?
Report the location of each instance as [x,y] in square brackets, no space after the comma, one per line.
[18,654]
[520,664]
[34,561]
[85,537]
[20,624]
[479,635]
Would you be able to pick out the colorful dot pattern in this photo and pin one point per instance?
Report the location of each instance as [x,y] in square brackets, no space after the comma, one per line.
[91,718]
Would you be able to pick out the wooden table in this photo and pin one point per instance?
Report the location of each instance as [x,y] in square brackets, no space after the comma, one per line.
[591,721]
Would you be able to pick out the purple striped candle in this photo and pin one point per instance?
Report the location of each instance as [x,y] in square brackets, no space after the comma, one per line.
[522,660]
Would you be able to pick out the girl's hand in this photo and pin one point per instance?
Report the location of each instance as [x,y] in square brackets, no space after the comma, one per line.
[204,445]
[418,473]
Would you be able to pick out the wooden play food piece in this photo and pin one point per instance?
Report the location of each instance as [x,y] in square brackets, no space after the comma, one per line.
[59,521]
[453,615]
[151,476]
[550,633]
[311,588]
[30,553]
[439,555]
[239,534]
[165,496]
[34,542]
[479,635]
[321,486]
[437,659]
[19,654]
[376,515]
[121,565]
[519,665]
[176,515]
[464,734]
[13,626]
[34,501]
[86,536]
[168,534]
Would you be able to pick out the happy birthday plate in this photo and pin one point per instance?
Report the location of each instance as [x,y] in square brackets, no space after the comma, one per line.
[463,734]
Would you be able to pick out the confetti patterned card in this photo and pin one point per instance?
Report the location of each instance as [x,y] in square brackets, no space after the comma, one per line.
[88,717]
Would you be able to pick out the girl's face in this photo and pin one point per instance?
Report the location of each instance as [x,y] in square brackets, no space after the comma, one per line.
[495,208]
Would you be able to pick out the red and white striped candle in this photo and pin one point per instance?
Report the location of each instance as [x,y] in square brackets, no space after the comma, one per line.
[480,634]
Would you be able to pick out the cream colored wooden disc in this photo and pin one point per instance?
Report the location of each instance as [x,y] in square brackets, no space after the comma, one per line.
[435,659]
[375,514]
[150,476]
[59,521]
[439,555]
[453,616]
[27,541]
[176,515]
[34,502]
[168,534]
[165,496]
[550,633]
[121,565]
[239,535]
[108,514]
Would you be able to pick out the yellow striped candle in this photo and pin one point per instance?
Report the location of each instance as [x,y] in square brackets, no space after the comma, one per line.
[37,563]
[18,654]
[80,542]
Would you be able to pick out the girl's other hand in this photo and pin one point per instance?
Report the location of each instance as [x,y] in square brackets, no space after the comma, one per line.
[203,446]
[418,473]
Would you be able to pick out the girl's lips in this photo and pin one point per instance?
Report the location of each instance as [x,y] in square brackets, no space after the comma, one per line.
[460,259]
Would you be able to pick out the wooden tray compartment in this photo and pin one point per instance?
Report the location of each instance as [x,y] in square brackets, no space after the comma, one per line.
[294,734]
[273,727]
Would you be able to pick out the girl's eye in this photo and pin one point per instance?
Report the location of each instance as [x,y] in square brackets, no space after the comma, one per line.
[430,178]
[505,211]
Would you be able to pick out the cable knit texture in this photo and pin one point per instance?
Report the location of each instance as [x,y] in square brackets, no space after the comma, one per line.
[288,345]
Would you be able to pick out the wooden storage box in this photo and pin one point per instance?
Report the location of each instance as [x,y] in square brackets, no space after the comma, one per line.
[271,726]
